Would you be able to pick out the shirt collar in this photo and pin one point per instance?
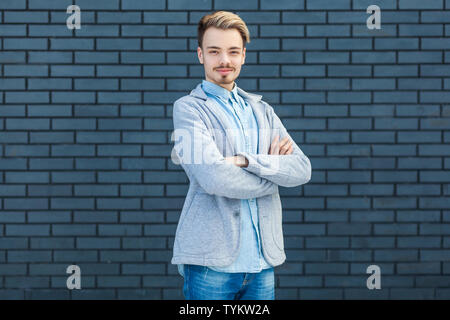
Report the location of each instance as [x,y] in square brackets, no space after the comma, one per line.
[219,91]
[198,92]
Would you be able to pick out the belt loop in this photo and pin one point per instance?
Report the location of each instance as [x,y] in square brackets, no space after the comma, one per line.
[204,277]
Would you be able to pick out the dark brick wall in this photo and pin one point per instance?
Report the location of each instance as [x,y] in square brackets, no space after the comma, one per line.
[85,123]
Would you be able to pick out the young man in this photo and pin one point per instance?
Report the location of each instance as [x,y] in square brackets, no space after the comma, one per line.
[229,237]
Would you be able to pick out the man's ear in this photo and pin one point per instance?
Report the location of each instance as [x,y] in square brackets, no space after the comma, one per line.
[243,53]
[200,54]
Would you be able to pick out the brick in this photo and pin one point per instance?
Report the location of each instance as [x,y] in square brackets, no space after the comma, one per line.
[281,5]
[13,30]
[25,17]
[347,16]
[49,4]
[394,97]
[396,44]
[419,83]
[117,44]
[282,31]
[350,44]
[48,31]
[326,5]
[13,4]
[300,17]
[303,44]
[250,17]
[427,30]
[189,5]
[327,57]
[155,44]
[327,31]
[49,84]
[434,43]
[434,16]
[433,70]
[72,44]
[165,17]
[303,71]
[373,84]
[24,70]
[12,84]
[72,71]
[118,17]
[349,97]
[374,57]
[398,70]
[416,4]
[99,5]
[12,57]
[143,5]
[349,71]
[280,84]
[383,4]
[327,241]
[142,57]
[114,71]
[119,97]
[96,57]
[98,31]
[118,281]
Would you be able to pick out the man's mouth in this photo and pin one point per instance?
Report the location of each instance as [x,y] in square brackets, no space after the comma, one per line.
[224,71]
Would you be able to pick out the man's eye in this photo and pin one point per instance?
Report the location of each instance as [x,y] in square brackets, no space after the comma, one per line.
[234,52]
[213,52]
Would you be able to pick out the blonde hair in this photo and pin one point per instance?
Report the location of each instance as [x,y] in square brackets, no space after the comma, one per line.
[222,20]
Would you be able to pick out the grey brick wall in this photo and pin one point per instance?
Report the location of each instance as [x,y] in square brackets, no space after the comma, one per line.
[85,123]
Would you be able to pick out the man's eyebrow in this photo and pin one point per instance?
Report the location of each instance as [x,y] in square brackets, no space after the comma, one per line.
[232,48]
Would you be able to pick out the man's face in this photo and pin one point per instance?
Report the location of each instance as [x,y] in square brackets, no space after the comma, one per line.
[222,56]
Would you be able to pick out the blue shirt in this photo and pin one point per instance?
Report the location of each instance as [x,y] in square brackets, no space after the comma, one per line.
[240,114]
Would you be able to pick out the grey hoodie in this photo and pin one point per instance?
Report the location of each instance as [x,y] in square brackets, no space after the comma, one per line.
[208,229]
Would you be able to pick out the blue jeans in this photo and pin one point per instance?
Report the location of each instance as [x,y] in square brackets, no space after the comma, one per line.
[203,283]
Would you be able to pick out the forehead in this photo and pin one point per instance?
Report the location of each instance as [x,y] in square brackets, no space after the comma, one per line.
[219,38]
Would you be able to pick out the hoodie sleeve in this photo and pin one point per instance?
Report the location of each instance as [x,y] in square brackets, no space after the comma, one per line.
[285,170]
[199,156]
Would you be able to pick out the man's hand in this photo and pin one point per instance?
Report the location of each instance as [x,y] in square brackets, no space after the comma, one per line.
[239,161]
[277,147]
[281,147]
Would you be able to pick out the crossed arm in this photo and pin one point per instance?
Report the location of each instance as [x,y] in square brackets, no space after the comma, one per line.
[290,168]
[227,176]
[277,147]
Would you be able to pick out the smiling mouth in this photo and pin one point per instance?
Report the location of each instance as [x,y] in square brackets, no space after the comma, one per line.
[224,71]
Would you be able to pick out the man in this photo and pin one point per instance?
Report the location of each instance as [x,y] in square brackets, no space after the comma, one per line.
[229,237]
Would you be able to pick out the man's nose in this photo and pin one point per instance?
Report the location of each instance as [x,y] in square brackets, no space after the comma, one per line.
[224,59]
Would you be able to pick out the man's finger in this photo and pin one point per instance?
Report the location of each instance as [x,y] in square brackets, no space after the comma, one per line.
[273,144]
[285,148]
[291,149]
[284,142]
[276,147]
[285,139]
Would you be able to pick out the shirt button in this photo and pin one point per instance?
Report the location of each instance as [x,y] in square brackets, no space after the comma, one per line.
[236,213]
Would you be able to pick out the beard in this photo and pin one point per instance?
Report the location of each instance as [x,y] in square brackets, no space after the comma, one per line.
[225,78]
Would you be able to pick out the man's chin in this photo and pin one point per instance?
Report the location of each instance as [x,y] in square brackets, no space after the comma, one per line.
[225,79]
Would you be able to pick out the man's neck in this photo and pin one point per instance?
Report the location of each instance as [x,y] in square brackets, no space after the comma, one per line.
[229,87]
